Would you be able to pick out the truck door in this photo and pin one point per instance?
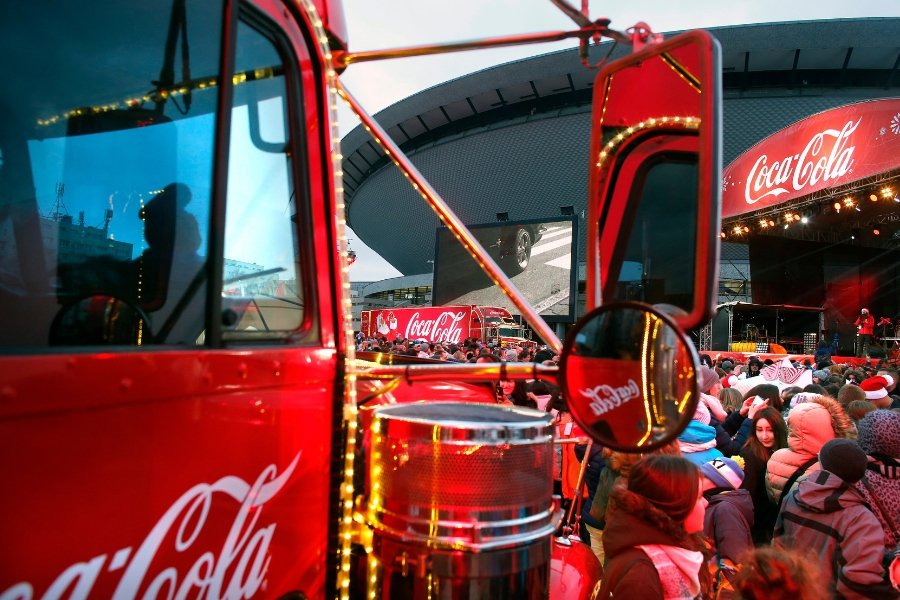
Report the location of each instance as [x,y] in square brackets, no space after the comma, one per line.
[170,363]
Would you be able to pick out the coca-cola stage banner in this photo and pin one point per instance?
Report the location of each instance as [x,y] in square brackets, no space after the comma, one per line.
[826,150]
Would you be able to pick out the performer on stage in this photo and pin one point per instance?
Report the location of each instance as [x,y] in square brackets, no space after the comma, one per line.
[865,326]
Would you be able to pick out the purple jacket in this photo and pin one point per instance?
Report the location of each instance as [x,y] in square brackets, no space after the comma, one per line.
[727,523]
[826,518]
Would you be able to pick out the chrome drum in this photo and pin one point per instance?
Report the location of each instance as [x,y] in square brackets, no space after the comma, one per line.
[460,502]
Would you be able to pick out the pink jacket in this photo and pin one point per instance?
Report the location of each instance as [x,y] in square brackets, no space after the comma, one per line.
[810,425]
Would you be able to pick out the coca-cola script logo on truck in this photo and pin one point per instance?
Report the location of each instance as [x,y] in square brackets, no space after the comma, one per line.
[826,157]
[605,398]
[236,570]
[445,327]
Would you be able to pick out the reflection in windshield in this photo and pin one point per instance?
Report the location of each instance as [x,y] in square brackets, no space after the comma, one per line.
[108,156]
[656,269]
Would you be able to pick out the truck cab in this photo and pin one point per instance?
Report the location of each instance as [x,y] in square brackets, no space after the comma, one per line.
[180,394]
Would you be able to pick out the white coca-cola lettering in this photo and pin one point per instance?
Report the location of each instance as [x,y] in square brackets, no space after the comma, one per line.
[817,162]
[444,327]
[236,570]
[605,398]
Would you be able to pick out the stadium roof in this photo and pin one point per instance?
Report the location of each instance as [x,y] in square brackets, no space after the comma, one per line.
[774,74]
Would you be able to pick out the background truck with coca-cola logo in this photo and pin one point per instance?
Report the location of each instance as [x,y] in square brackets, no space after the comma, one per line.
[451,324]
[182,411]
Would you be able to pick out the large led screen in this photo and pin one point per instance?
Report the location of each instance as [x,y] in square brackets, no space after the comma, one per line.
[539,256]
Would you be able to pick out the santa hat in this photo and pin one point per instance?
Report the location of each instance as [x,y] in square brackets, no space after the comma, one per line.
[729,380]
[875,387]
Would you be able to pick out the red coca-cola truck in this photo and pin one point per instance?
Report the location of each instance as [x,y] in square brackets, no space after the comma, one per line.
[181,410]
[451,324]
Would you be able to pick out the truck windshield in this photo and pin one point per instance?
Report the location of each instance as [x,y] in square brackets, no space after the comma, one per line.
[108,118]
[107,162]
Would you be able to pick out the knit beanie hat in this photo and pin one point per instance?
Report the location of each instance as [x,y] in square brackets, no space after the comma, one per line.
[706,378]
[821,374]
[844,458]
[723,472]
[879,433]
[875,387]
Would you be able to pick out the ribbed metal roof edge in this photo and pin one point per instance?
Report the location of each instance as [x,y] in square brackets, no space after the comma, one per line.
[509,72]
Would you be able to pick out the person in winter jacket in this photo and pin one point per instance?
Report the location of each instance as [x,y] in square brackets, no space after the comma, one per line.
[879,437]
[618,466]
[825,515]
[729,515]
[767,391]
[768,434]
[650,540]
[708,384]
[810,424]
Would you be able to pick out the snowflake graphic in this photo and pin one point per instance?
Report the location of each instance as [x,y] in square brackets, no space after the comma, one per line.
[895,124]
[725,180]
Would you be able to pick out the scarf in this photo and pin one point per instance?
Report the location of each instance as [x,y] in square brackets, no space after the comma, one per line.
[678,569]
[689,448]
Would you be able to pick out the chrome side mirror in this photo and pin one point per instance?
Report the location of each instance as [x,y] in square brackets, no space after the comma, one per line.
[629,376]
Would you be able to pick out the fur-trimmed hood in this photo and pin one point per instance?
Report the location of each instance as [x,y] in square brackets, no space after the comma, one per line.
[814,422]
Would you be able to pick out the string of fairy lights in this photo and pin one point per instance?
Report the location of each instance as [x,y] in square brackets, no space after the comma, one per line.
[856,205]
[162,94]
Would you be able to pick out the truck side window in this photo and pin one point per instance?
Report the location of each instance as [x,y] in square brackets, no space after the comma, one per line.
[262,283]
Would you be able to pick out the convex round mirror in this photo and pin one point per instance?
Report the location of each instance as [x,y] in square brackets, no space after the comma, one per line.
[629,376]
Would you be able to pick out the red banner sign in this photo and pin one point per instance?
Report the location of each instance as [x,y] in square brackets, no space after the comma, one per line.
[432,324]
[826,150]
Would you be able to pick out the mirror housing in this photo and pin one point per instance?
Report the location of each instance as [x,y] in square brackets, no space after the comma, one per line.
[654,200]
[630,377]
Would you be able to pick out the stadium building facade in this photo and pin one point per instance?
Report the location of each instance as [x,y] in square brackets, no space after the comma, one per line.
[513,140]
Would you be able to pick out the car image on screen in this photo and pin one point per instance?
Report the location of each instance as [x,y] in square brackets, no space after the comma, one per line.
[537,255]
[510,245]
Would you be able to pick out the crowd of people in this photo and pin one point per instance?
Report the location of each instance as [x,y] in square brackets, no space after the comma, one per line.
[779,492]
[468,350]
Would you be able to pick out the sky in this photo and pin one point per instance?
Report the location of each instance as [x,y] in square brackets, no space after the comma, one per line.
[379,24]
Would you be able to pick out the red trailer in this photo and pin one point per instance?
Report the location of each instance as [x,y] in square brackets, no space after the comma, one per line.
[451,324]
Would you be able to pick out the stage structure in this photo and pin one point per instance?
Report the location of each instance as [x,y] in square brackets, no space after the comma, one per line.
[765,329]
[817,204]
